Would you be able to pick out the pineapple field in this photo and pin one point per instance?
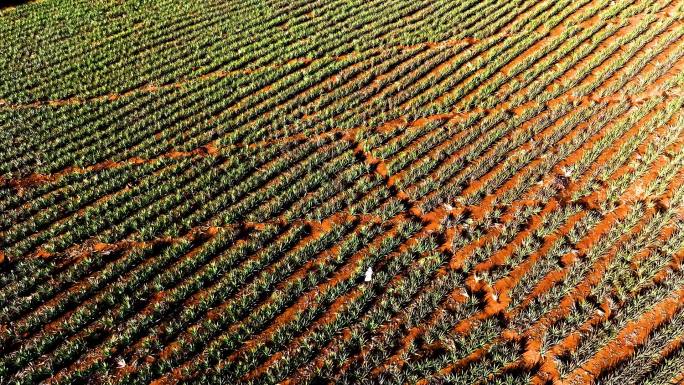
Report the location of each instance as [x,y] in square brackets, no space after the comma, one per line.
[342,192]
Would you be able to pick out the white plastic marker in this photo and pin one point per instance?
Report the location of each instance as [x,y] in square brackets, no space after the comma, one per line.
[369,275]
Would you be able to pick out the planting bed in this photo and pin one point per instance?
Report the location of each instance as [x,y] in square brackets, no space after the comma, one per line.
[342,191]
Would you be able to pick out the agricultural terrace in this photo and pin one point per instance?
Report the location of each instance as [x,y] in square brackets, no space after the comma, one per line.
[342,191]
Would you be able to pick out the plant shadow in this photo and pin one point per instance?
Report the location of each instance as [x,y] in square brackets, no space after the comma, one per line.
[12,3]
